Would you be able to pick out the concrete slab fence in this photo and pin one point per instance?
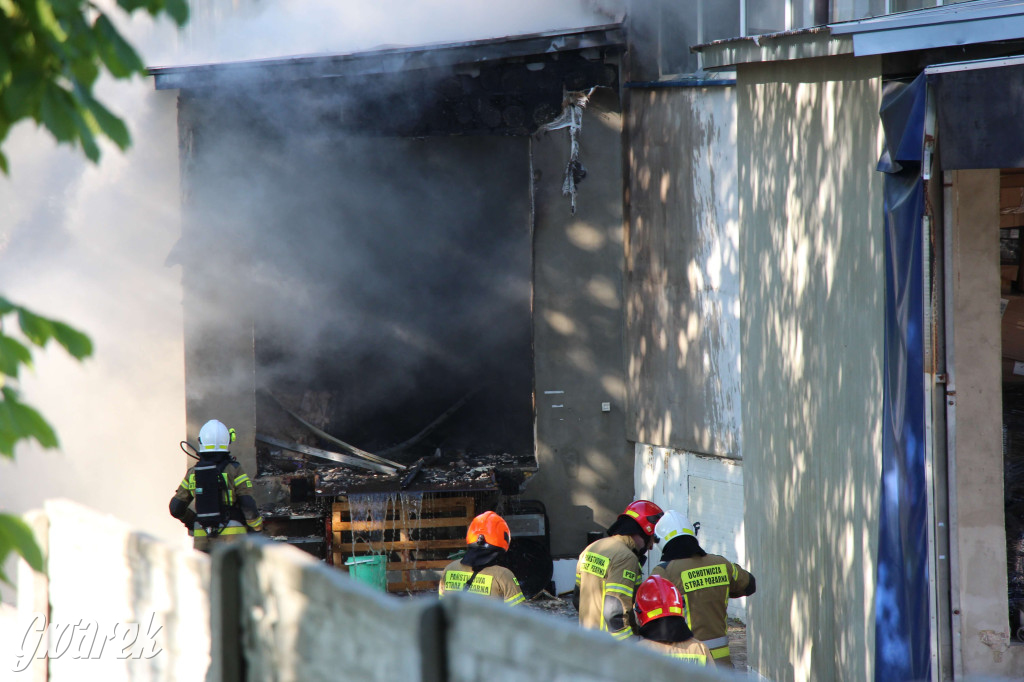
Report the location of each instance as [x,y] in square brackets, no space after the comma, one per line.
[265,611]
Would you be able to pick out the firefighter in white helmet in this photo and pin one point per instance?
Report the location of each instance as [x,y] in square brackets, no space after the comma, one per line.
[705,581]
[224,506]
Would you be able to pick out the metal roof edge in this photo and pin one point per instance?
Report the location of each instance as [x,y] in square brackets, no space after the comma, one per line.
[389,60]
[964,23]
[932,36]
[943,14]
[972,65]
[681,83]
[803,44]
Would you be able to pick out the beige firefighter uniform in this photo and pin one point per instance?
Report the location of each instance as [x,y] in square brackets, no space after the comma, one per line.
[706,584]
[607,575]
[491,581]
[236,497]
[692,650]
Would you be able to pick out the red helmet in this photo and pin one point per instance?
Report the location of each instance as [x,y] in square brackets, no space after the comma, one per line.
[656,598]
[645,513]
[488,529]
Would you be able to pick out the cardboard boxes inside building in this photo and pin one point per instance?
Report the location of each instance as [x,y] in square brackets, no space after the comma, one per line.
[1011,228]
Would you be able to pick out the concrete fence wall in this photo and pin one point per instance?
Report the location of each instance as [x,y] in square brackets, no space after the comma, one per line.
[121,605]
[281,615]
[115,605]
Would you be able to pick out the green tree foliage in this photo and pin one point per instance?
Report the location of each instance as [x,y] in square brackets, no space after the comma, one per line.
[52,52]
[19,421]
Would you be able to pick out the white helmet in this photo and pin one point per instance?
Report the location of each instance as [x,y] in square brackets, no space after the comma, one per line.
[215,437]
[672,525]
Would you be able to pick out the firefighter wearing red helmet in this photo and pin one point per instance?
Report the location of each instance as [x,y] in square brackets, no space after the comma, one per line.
[661,623]
[609,570]
[477,572]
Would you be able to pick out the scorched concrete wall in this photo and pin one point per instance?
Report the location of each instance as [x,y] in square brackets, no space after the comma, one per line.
[682,271]
[811,333]
[683,310]
[585,459]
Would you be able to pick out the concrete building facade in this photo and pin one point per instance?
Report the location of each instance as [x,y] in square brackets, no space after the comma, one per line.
[811,268]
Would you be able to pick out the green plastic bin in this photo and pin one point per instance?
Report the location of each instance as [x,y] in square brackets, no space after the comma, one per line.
[372,570]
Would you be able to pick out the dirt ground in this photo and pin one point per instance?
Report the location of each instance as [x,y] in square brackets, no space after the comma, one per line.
[738,644]
[561,607]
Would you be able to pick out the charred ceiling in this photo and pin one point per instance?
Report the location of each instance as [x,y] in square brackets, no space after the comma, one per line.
[508,86]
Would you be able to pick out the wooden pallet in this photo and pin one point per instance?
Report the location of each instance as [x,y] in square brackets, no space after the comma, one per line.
[402,535]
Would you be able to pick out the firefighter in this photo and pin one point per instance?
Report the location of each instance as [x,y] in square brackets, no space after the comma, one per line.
[224,506]
[661,623]
[608,570]
[488,537]
[706,582]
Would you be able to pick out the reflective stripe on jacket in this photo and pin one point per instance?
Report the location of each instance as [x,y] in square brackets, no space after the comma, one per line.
[607,574]
[492,581]
[692,650]
[233,528]
[706,584]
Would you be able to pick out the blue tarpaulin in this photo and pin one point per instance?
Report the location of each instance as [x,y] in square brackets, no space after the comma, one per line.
[902,628]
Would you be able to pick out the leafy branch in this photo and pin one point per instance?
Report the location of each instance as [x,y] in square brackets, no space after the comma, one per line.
[51,54]
[19,421]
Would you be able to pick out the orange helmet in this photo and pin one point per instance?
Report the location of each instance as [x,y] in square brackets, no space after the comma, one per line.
[488,529]
[656,598]
[645,513]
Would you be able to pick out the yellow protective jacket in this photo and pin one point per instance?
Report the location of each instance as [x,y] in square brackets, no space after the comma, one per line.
[491,581]
[692,650]
[706,584]
[607,575]
[236,497]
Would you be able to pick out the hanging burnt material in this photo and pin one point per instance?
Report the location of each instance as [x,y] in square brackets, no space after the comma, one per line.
[573,104]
